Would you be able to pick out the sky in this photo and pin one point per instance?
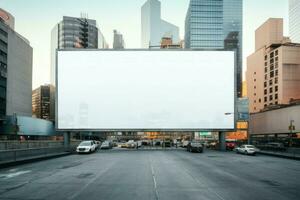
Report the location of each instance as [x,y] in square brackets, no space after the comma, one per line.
[34,19]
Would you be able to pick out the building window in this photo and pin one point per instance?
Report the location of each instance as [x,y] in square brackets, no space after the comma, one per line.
[276,88]
[266,57]
[276,102]
[276,65]
[270,97]
[265,105]
[266,64]
[276,96]
[265,83]
[254,108]
[266,91]
[276,58]
[254,73]
[272,55]
[276,80]
[259,100]
[254,87]
[276,53]
[271,74]
[266,69]
[266,99]
[276,72]
[271,61]
[271,89]
[271,82]
[254,94]
[255,80]
[271,67]
[266,76]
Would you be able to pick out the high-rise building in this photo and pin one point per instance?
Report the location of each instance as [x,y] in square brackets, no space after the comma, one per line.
[153,27]
[273,70]
[167,43]
[216,24]
[72,33]
[118,40]
[41,102]
[294,15]
[7,18]
[15,70]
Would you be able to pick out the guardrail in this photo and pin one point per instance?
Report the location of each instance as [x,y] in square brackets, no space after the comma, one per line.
[16,151]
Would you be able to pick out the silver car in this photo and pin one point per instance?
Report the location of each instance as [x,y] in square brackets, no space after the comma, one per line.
[247,149]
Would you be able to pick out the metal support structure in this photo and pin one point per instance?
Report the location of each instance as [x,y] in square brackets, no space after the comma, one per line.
[222,141]
[67,140]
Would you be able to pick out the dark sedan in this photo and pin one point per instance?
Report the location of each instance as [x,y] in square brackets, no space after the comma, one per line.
[195,147]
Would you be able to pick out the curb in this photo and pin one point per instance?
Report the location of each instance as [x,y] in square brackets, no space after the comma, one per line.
[33,159]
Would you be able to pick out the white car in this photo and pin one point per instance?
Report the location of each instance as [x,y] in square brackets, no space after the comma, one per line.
[247,149]
[86,147]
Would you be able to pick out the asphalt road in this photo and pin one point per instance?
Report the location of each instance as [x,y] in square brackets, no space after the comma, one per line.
[171,174]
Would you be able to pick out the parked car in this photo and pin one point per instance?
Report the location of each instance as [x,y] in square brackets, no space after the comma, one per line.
[106,145]
[230,146]
[247,149]
[185,143]
[130,144]
[98,144]
[195,146]
[86,147]
[167,143]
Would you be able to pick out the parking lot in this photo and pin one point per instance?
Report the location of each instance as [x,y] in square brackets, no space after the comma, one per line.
[154,174]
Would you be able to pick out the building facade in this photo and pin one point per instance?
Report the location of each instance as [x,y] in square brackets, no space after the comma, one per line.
[72,33]
[294,18]
[118,40]
[216,24]
[153,28]
[273,70]
[15,71]
[41,102]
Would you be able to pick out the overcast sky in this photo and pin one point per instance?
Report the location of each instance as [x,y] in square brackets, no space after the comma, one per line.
[35,19]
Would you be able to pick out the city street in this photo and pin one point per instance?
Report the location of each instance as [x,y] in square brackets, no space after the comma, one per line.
[149,174]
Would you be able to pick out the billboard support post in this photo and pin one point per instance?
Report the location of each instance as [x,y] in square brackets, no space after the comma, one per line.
[67,139]
[222,141]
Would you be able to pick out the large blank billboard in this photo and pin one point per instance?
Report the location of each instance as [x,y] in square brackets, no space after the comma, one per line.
[145,90]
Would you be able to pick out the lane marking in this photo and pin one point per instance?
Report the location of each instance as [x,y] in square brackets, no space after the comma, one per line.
[154,180]
[14,174]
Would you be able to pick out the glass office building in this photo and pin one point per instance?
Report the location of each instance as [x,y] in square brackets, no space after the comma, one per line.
[216,24]
[294,17]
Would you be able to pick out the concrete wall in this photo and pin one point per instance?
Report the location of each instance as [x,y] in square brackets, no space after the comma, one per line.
[289,73]
[269,33]
[255,80]
[275,121]
[19,75]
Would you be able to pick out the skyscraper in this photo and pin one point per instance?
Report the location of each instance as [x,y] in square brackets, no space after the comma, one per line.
[294,15]
[72,33]
[153,27]
[118,40]
[15,69]
[41,102]
[210,23]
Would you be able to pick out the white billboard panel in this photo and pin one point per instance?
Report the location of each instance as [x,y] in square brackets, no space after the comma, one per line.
[145,90]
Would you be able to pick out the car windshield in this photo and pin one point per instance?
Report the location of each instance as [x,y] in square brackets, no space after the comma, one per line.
[85,144]
[250,146]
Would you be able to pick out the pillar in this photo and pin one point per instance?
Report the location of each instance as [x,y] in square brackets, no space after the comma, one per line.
[67,140]
[222,141]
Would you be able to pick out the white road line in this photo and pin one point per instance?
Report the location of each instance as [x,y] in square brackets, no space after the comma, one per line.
[15,174]
[154,181]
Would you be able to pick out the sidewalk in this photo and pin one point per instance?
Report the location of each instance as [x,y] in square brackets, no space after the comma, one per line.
[288,155]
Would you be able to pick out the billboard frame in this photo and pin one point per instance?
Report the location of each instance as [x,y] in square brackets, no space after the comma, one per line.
[148,130]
